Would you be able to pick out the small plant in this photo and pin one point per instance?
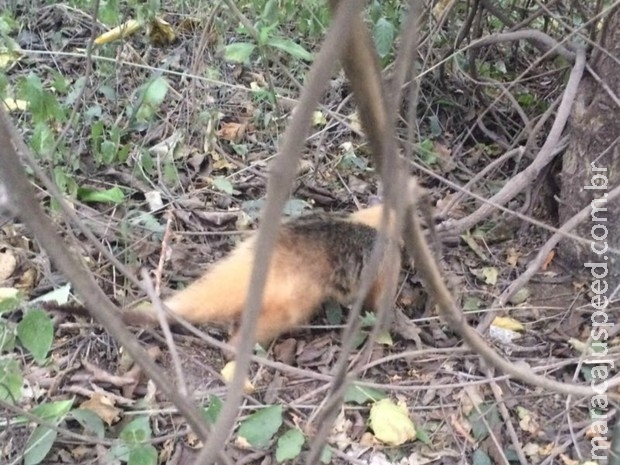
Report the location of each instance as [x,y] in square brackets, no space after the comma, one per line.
[268,39]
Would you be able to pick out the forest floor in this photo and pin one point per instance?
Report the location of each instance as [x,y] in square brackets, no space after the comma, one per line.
[174,142]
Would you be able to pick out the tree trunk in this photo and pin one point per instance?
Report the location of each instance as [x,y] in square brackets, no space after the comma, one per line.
[591,165]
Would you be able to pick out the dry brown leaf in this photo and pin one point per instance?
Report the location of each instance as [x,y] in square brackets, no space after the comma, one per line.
[258,79]
[548,260]
[232,131]
[103,407]
[340,434]
[462,428]
[512,256]
[440,7]
[469,398]
[528,421]
[368,440]
[191,25]
[81,452]
[566,460]
[28,279]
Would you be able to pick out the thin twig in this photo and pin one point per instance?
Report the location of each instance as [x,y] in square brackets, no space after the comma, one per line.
[147,284]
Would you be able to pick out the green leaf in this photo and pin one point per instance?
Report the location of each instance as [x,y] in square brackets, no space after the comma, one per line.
[264,33]
[427,152]
[212,412]
[118,451]
[108,152]
[171,175]
[333,312]
[39,444]
[60,295]
[290,47]
[53,412]
[64,182]
[472,304]
[295,207]
[10,381]
[155,92]
[43,105]
[79,84]
[9,299]
[259,428]
[292,207]
[485,414]
[481,458]
[36,333]
[114,195]
[145,221]
[289,445]
[270,12]
[137,431]
[147,163]
[384,36]
[142,455]
[239,52]
[42,139]
[369,319]
[7,339]
[423,436]
[326,455]
[362,394]
[92,424]
[253,207]
[222,184]
[61,83]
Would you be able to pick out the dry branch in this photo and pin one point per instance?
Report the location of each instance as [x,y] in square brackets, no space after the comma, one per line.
[282,173]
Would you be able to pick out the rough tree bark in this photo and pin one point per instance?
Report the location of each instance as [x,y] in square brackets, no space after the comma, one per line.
[593,157]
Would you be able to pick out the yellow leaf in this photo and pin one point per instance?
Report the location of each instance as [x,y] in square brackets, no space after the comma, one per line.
[441,6]
[384,338]
[505,322]
[8,293]
[119,32]
[12,104]
[391,423]
[229,371]
[579,346]
[190,25]
[10,52]
[490,275]
[161,33]
[318,118]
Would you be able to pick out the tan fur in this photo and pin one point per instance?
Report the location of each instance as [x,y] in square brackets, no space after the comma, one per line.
[316,258]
